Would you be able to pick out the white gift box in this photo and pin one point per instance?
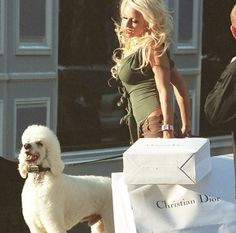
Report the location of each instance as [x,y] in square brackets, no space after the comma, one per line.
[206,207]
[167,161]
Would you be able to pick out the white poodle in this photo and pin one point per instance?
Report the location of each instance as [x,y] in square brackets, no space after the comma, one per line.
[54,202]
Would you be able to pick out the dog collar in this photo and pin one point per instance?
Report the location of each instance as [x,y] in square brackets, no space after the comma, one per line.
[37,169]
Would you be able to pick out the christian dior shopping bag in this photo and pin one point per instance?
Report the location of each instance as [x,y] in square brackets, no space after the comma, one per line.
[167,161]
[205,207]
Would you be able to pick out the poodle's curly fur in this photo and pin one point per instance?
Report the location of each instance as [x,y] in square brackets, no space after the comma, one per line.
[52,201]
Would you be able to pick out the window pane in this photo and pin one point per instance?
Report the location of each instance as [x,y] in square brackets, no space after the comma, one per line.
[185,21]
[27,116]
[88,116]
[32,21]
[87,112]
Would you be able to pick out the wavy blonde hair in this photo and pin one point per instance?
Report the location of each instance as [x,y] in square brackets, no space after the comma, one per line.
[157,34]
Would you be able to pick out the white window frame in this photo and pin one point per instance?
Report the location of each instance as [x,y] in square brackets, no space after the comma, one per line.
[95,155]
[192,100]
[35,48]
[2,25]
[190,48]
[193,96]
[1,127]
[30,103]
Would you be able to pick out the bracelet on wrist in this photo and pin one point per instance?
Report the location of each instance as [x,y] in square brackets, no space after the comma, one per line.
[167,127]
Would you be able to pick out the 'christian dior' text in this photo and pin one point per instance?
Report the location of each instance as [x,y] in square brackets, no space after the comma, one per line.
[175,204]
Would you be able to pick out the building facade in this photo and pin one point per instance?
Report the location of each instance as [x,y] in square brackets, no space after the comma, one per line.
[55,61]
[28,69]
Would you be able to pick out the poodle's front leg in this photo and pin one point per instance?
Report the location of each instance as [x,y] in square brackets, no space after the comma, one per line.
[109,226]
[34,229]
[54,224]
[55,229]
[108,221]
[98,227]
[49,227]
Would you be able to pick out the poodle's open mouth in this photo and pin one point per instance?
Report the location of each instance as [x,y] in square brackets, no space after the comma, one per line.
[31,157]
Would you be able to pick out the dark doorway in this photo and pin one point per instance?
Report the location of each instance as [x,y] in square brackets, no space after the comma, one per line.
[218,47]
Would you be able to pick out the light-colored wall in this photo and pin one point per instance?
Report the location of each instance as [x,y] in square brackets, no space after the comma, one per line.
[28,74]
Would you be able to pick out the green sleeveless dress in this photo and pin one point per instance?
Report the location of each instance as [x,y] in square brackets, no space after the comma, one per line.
[140,89]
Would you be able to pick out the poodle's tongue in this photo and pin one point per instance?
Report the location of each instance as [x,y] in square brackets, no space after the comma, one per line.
[31,157]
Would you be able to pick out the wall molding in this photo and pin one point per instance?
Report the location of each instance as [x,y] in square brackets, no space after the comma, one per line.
[91,156]
[3,77]
[33,76]
[189,71]
[193,105]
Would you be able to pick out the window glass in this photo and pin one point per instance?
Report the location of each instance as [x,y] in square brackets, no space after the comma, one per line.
[185,22]
[32,21]
[88,116]
[28,115]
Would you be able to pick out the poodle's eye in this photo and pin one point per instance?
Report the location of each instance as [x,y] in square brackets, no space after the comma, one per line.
[39,143]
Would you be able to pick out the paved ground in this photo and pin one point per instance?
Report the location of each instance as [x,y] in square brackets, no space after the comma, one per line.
[11,219]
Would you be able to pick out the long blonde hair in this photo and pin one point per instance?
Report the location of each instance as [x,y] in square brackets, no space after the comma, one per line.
[157,35]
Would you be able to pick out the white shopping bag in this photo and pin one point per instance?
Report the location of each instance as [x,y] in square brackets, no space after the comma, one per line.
[205,207]
[123,214]
[167,161]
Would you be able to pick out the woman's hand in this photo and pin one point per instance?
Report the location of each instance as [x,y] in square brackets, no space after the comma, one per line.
[168,134]
[186,131]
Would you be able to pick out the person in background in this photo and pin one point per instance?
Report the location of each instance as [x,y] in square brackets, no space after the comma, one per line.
[145,71]
[220,105]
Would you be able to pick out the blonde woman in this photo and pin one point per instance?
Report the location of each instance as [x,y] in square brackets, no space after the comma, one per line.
[144,70]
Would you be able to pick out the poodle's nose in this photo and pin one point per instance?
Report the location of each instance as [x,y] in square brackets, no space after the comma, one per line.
[27,146]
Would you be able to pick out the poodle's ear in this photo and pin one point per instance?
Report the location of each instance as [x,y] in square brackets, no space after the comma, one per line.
[22,168]
[53,151]
[23,171]
[54,155]
[56,164]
